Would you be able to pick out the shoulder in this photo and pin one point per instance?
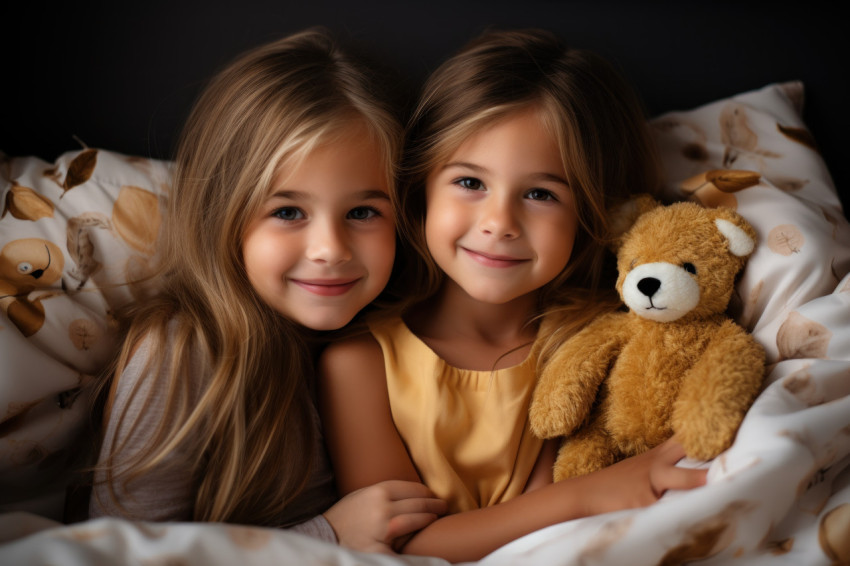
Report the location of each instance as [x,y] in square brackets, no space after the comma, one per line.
[362,352]
[143,372]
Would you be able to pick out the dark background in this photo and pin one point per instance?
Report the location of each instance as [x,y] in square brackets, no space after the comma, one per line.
[122,76]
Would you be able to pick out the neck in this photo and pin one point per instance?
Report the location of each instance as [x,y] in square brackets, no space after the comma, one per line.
[469,333]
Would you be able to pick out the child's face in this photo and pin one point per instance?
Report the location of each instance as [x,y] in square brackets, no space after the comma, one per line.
[322,245]
[500,217]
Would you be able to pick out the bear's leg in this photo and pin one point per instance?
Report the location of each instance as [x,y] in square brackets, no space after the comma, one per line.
[588,450]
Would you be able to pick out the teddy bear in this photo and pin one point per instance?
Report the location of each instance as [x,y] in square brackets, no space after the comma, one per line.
[26,265]
[673,363]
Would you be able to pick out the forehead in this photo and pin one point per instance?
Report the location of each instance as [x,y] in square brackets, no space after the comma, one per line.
[537,122]
[351,161]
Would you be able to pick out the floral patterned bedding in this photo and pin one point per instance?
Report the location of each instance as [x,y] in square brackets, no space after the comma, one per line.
[86,226]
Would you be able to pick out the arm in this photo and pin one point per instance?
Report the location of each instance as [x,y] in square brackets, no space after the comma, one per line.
[634,482]
[362,440]
[165,493]
[542,473]
[383,496]
[569,381]
[363,520]
[365,448]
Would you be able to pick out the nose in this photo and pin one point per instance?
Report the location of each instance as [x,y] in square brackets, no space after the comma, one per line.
[328,243]
[499,219]
[648,286]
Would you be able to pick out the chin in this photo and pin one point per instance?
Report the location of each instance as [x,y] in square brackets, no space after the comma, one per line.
[331,322]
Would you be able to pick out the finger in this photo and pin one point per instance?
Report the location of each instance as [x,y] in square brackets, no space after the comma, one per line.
[418,505]
[401,489]
[676,478]
[407,523]
[671,451]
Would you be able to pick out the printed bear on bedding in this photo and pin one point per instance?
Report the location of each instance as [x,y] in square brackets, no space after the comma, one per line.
[674,363]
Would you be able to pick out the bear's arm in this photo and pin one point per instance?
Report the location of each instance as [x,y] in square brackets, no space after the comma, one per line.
[570,379]
[717,392]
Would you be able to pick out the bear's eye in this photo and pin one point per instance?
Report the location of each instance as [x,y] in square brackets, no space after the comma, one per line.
[24,267]
[690,268]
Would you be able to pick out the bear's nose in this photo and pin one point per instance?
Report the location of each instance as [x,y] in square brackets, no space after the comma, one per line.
[648,286]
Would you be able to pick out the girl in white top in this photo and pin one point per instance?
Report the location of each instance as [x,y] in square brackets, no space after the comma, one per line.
[280,222]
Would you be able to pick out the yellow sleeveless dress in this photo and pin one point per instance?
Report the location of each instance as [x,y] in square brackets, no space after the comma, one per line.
[466,431]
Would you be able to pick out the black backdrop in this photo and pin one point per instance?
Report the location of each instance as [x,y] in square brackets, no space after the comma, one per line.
[122,76]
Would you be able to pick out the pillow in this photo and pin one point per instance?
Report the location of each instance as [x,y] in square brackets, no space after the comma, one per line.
[752,152]
[77,239]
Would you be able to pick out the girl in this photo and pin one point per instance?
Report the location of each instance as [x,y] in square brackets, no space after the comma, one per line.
[515,151]
[280,221]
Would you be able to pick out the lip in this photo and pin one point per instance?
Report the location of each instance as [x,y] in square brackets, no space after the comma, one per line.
[493,260]
[326,287]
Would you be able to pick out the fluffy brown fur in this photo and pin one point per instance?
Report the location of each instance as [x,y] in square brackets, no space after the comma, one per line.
[626,383]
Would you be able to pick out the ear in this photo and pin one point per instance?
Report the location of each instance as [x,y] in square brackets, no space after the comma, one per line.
[740,243]
[622,217]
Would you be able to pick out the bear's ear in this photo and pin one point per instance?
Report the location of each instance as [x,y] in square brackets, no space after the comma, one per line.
[622,217]
[741,244]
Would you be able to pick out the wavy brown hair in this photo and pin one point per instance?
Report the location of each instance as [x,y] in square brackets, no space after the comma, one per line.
[592,112]
[250,430]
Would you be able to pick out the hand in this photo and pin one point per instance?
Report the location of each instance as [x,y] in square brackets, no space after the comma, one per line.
[640,480]
[371,518]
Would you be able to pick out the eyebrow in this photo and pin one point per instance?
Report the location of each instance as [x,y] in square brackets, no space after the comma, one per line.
[541,176]
[367,194]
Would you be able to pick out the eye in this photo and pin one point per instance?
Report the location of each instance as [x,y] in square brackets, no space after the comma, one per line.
[540,194]
[469,183]
[288,213]
[690,268]
[24,267]
[362,213]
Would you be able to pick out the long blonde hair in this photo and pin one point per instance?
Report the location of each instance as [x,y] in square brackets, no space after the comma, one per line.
[251,428]
[591,111]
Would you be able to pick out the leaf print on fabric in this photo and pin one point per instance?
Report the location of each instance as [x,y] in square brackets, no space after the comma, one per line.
[800,338]
[136,218]
[833,534]
[716,187]
[140,276]
[785,239]
[84,333]
[799,135]
[780,547]
[737,136]
[710,536]
[608,535]
[692,138]
[801,385]
[81,247]
[24,203]
[732,180]
[788,184]
[79,171]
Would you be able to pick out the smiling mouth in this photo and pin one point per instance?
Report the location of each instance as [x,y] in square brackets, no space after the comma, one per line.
[326,287]
[492,260]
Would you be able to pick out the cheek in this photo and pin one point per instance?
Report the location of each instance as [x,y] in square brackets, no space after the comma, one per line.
[379,255]
[445,222]
[557,243]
